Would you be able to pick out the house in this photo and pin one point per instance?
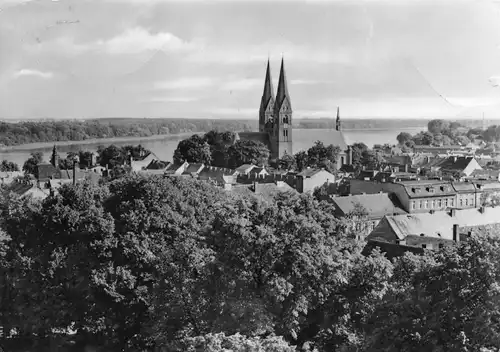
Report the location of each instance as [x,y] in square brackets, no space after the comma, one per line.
[485,175]
[219,176]
[466,195]
[309,179]
[415,196]
[142,162]
[434,230]
[7,177]
[258,172]
[46,171]
[245,169]
[193,169]
[24,188]
[376,207]
[459,165]
[175,169]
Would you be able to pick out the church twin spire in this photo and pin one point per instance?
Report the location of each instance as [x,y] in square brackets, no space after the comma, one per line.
[269,105]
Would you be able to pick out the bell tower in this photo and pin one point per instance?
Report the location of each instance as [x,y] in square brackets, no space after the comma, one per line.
[266,110]
[337,123]
[283,117]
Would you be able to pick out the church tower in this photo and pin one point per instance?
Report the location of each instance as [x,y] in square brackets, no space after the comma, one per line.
[266,110]
[337,124]
[282,136]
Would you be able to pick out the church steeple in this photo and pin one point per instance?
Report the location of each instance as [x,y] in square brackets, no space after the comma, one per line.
[282,93]
[283,116]
[267,102]
[337,124]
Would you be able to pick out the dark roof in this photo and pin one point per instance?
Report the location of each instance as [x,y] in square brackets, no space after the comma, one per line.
[463,186]
[427,188]
[377,205]
[310,172]
[268,93]
[193,168]
[45,171]
[458,163]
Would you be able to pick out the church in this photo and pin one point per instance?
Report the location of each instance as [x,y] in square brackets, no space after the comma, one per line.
[275,122]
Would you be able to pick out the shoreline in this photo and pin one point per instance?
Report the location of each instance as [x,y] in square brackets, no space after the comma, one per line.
[43,145]
[94,141]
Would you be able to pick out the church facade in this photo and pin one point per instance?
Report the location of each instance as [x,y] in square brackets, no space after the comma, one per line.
[275,122]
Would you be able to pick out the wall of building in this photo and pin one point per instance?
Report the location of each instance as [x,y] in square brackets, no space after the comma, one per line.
[424,205]
[308,184]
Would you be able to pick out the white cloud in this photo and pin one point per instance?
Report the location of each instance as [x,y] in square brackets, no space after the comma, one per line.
[33,73]
[495,81]
[468,102]
[138,39]
[186,83]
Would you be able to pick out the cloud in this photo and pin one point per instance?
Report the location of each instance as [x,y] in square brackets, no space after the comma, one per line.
[468,102]
[138,39]
[185,83]
[34,73]
[495,81]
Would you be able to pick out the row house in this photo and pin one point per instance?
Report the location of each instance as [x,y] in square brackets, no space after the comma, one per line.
[421,196]
[451,166]
[435,230]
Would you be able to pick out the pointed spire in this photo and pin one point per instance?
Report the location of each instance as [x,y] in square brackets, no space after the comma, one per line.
[282,86]
[268,87]
[337,124]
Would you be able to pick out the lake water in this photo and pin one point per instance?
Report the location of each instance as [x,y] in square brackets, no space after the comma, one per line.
[164,147]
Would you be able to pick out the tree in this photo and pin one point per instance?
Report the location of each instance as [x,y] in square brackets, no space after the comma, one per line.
[321,156]
[287,162]
[29,166]
[8,166]
[247,152]
[357,154]
[111,156]
[193,150]
[462,140]
[437,126]
[372,160]
[301,160]
[403,137]
[445,301]
[423,138]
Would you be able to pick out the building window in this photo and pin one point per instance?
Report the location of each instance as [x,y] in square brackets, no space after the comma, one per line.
[446,203]
[466,202]
[426,204]
[424,246]
[413,205]
[440,204]
[432,204]
[461,202]
[452,202]
[420,204]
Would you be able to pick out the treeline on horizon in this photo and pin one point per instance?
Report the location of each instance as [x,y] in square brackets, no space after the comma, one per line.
[24,132]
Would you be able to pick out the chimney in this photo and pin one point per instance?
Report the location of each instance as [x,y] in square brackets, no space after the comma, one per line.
[455,159]
[453,212]
[406,168]
[456,233]
[432,211]
[482,209]
[469,234]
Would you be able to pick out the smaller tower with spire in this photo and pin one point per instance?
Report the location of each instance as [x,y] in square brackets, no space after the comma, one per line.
[338,126]
[54,158]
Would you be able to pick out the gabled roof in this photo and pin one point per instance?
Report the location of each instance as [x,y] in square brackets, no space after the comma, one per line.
[263,190]
[458,163]
[440,224]
[427,188]
[311,172]
[463,186]
[377,205]
[194,168]
[245,168]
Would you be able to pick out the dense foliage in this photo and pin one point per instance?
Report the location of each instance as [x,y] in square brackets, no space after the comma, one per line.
[73,130]
[8,166]
[144,262]
[444,133]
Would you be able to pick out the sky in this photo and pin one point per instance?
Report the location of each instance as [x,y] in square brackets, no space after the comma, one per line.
[207,59]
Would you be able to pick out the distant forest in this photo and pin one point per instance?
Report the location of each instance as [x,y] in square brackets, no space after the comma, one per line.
[24,132]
